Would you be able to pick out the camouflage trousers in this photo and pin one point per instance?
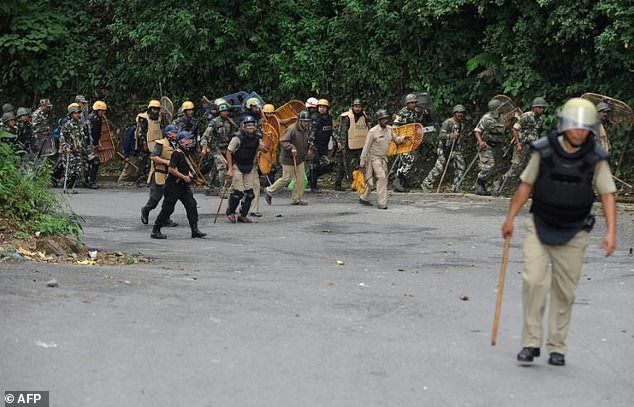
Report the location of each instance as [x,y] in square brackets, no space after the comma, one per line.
[519,161]
[349,160]
[406,164]
[457,161]
[214,166]
[490,161]
[74,163]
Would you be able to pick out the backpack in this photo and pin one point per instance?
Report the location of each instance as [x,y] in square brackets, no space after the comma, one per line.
[57,132]
[128,144]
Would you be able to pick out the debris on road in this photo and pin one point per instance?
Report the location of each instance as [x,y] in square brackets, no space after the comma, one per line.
[340,263]
[52,283]
[464,297]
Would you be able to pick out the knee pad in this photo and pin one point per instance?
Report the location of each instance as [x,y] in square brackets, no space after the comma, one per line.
[249,194]
[237,195]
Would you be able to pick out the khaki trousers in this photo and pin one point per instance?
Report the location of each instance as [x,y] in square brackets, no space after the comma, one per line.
[255,205]
[377,167]
[561,282]
[288,174]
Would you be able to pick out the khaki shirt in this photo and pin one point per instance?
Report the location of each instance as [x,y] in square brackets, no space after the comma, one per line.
[377,142]
[602,181]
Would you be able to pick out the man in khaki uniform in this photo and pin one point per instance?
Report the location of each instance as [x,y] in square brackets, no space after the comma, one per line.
[562,174]
[374,157]
[294,150]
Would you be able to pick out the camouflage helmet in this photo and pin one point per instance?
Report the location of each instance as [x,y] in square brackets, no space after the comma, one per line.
[7,117]
[73,108]
[356,102]
[411,98]
[7,107]
[223,106]
[603,107]
[382,114]
[304,116]
[45,102]
[494,104]
[458,109]
[80,99]
[539,102]
[578,113]
[23,111]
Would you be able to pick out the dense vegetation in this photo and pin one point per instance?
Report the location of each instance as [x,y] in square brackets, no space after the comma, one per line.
[462,51]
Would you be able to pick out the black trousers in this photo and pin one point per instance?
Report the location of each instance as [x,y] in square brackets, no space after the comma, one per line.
[156,193]
[172,193]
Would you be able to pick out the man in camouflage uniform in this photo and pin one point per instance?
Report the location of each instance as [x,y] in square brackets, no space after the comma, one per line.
[607,128]
[85,111]
[489,134]
[73,136]
[8,125]
[451,134]
[25,131]
[408,114]
[41,124]
[526,130]
[352,133]
[216,140]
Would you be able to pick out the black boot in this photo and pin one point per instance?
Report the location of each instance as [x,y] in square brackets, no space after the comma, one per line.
[196,232]
[156,232]
[527,354]
[481,188]
[145,213]
[400,184]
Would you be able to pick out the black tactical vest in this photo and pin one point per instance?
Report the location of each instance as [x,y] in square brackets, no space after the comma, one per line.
[244,156]
[323,133]
[563,192]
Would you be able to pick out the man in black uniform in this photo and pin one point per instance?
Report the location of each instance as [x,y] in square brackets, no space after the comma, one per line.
[321,133]
[180,175]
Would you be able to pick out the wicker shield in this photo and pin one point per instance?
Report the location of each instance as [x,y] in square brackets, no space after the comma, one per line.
[274,122]
[106,148]
[289,111]
[621,112]
[413,130]
[266,159]
[358,181]
[167,108]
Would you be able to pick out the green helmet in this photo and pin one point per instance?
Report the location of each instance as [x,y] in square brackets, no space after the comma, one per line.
[458,109]
[578,113]
[382,114]
[222,107]
[22,111]
[539,102]
[494,104]
[603,107]
[7,107]
[411,98]
[7,116]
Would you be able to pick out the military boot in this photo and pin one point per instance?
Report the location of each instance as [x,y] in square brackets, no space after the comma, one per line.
[156,232]
[481,188]
[400,184]
[196,232]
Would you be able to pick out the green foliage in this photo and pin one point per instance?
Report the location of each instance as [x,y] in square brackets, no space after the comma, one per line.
[26,198]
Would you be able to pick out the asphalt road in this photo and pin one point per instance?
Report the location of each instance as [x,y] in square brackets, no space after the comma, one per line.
[262,314]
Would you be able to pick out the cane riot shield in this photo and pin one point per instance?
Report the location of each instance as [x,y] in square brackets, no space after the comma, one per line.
[416,133]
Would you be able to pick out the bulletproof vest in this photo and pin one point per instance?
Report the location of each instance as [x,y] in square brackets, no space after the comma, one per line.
[244,156]
[563,193]
[323,132]
[494,131]
[223,132]
[357,131]
[160,170]
[154,131]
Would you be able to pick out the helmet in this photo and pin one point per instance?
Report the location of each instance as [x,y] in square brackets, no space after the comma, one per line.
[73,107]
[356,102]
[603,107]
[99,105]
[311,102]
[171,128]
[578,113]
[154,103]
[7,107]
[268,108]
[249,119]
[22,111]
[187,105]
[45,102]
[74,104]
[323,102]
[80,98]
[382,114]
[220,101]
[222,107]
[458,109]
[7,116]
[411,98]
[304,115]
[252,102]
[184,135]
[494,104]
[539,102]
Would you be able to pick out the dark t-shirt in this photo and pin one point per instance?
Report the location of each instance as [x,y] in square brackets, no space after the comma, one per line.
[178,161]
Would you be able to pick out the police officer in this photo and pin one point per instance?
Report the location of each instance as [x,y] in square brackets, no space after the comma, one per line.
[525,131]
[242,171]
[352,134]
[451,134]
[41,124]
[408,114]
[216,140]
[180,176]
[160,159]
[148,130]
[489,134]
[73,136]
[321,134]
[607,128]
[564,170]
[187,121]
[25,130]
[97,121]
